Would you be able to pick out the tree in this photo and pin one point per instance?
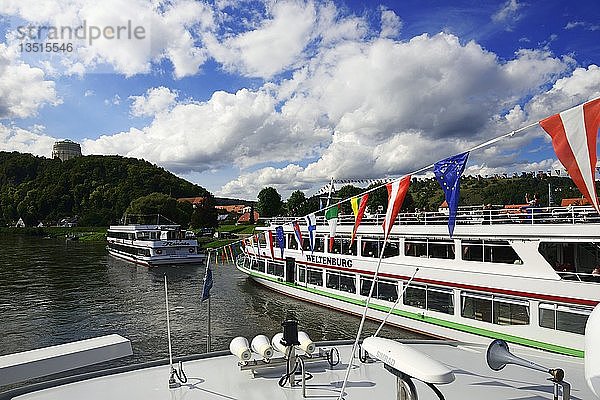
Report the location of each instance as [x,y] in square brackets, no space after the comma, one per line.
[205,214]
[295,203]
[159,203]
[269,202]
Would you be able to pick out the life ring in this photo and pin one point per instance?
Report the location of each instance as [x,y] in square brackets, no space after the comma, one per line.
[158,251]
[191,250]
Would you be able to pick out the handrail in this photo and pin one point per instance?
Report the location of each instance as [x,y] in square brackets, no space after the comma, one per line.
[475,216]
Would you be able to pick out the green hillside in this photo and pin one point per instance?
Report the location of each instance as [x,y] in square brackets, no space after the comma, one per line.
[97,189]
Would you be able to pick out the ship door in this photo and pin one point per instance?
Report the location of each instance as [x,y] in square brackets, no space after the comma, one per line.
[290,269]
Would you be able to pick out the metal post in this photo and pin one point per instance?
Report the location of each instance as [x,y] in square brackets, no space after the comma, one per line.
[208,334]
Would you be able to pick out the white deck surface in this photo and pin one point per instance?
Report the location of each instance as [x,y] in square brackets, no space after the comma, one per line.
[221,378]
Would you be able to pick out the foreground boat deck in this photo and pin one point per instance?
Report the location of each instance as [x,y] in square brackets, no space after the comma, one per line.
[218,376]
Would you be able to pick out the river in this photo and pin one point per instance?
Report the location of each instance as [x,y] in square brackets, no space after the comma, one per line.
[54,291]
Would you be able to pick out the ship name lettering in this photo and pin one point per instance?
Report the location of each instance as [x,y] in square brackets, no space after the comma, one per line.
[338,262]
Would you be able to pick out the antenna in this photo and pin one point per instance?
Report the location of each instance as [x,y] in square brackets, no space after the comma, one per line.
[173,384]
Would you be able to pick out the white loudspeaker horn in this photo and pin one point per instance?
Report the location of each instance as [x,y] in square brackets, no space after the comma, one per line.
[306,344]
[498,356]
[239,348]
[276,343]
[261,346]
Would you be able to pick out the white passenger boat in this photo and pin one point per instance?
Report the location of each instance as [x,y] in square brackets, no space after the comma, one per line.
[526,277]
[153,245]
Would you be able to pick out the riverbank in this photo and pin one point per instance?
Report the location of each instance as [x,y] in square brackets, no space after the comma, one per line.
[88,234]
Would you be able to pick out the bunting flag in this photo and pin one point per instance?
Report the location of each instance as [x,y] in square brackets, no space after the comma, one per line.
[217,257]
[331,215]
[280,238]
[269,238]
[298,235]
[256,241]
[223,258]
[208,283]
[231,252]
[447,173]
[311,222]
[574,133]
[396,193]
[358,209]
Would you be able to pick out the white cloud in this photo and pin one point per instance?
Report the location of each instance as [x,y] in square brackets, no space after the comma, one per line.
[273,46]
[390,23]
[582,24]
[156,100]
[166,32]
[26,141]
[508,12]
[23,89]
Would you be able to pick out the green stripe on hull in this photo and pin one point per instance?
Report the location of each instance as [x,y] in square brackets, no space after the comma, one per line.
[434,321]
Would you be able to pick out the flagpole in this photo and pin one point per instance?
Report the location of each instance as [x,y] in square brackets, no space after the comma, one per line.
[208,322]
[362,321]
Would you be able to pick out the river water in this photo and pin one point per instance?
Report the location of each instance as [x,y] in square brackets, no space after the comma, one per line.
[54,291]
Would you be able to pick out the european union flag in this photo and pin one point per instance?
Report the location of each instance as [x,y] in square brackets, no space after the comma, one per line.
[208,283]
[280,238]
[448,172]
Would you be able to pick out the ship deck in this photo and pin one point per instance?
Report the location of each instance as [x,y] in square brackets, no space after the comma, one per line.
[218,376]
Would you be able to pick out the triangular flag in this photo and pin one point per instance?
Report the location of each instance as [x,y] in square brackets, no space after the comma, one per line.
[331,215]
[396,193]
[358,209]
[269,237]
[280,238]
[448,172]
[298,235]
[311,222]
[574,134]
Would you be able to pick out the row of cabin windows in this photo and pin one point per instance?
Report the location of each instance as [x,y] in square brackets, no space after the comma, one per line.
[497,251]
[136,251]
[121,235]
[480,307]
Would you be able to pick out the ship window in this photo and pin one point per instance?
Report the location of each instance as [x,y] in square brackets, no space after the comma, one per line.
[563,318]
[440,300]
[497,251]
[342,246]
[432,248]
[341,281]
[314,276]
[274,269]
[477,307]
[292,244]
[415,247]
[257,265]
[580,257]
[510,312]
[301,274]
[415,296]
[318,243]
[371,247]
[262,242]
[384,290]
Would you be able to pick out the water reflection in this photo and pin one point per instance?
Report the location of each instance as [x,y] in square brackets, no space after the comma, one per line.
[55,291]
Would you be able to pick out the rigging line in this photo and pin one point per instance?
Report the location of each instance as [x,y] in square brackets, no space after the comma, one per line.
[362,321]
[423,169]
[396,303]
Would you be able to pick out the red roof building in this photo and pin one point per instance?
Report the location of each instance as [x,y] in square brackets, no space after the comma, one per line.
[245,217]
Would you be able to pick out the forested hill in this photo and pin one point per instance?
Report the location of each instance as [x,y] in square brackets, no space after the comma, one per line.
[98,189]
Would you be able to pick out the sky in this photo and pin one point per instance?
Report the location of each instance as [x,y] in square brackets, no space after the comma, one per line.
[240,95]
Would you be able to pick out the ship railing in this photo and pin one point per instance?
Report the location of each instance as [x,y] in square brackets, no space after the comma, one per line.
[523,214]
[579,276]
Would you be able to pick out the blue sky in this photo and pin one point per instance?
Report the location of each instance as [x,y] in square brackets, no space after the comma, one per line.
[236,96]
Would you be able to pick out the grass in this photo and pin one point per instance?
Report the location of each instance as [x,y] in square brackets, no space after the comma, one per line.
[83,233]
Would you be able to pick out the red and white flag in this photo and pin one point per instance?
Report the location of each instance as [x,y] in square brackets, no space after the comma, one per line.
[269,237]
[574,133]
[396,192]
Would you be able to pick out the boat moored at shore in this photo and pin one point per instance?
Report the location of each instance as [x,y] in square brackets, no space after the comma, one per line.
[528,277]
[153,245]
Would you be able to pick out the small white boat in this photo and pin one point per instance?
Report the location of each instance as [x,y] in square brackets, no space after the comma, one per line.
[153,245]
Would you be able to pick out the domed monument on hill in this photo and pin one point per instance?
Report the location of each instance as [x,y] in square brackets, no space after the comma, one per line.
[66,149]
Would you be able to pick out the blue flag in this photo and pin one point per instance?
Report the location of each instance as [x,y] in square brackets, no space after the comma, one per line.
[311,222]
[208,283]
[448,172]
[280,238]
